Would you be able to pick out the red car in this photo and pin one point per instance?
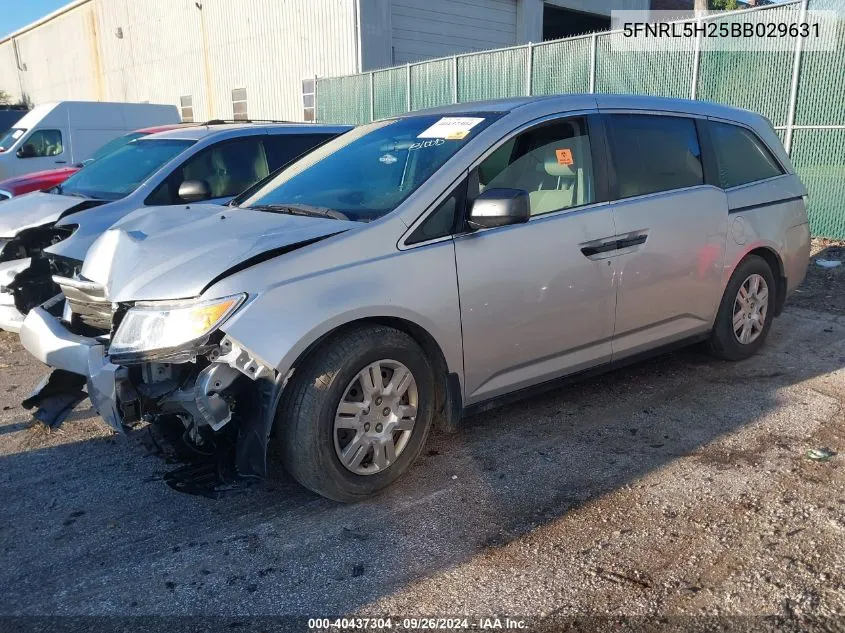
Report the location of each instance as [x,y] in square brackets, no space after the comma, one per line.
[40,180]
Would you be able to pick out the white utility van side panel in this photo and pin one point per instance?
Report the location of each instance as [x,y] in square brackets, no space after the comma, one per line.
[69,132]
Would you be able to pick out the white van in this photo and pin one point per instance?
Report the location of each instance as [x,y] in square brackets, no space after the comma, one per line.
[66,133]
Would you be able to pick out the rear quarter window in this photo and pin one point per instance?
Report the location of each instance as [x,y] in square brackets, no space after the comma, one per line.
[741,157]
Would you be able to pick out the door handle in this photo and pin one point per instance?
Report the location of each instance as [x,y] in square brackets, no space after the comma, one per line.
[61,162]
[613,244]
[597,249]
[631,241]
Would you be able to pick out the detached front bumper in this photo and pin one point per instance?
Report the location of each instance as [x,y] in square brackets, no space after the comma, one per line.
[48,340]
[11,319]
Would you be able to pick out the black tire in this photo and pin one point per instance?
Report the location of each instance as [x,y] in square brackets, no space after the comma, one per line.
[723,342]
[305,419]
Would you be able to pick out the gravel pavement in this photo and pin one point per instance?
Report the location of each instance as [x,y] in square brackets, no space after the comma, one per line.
[675,486]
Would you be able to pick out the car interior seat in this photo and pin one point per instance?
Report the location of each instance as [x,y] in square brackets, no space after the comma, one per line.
[565,181]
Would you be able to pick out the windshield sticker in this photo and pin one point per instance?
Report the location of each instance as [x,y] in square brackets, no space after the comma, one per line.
[452,128]
[564,156]
[17,134]
[388,159]
[425,144]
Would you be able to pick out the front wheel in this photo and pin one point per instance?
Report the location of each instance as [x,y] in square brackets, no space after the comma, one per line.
[357,413]
[745,314]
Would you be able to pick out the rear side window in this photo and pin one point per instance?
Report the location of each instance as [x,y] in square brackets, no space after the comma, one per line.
[654,153]
[283,148]
[740,156]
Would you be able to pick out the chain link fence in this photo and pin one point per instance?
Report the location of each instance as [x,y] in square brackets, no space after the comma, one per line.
[801,92]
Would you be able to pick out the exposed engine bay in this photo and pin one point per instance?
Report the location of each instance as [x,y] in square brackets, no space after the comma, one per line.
[223,400]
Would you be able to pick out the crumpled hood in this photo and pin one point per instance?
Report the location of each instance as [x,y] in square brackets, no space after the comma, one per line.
[165,253]
[35,209]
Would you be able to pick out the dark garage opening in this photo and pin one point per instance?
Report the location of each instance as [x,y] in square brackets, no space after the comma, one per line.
[558,23]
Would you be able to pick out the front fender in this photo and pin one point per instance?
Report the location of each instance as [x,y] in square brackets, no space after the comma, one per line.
[280,323]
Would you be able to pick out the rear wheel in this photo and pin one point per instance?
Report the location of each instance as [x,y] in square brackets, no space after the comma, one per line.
[745,314]
[357,413]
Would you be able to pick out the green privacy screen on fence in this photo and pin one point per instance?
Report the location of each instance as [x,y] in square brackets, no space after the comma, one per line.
[562,66]
[664,74]
[759,80]
[390,93]
[818,157]
[432,84]
[493,75]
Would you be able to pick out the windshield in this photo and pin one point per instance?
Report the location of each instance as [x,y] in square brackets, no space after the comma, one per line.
[122,171]
[114,144]
[366,173]
[11,137]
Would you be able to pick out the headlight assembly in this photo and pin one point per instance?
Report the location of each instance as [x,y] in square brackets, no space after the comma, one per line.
[166,329]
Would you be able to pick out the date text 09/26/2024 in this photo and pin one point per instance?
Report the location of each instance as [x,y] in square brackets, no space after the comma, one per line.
[417,624]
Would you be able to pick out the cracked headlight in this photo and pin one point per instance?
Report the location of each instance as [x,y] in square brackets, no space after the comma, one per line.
[167,329]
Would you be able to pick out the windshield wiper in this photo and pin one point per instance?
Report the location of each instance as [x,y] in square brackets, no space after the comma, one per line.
[300,209]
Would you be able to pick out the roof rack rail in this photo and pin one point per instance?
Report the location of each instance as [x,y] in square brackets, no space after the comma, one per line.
[227,121]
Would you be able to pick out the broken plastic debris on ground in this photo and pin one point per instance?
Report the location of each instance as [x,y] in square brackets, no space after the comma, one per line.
[820,454]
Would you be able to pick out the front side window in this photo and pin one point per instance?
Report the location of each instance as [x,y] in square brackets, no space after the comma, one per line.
[654,153]
[11,137]
[366,173]
[43,143]
[553,163]
[229,167]
[740,156]
[124,170]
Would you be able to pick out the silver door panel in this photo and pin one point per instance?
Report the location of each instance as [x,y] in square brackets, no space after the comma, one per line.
[670,285]
[533,306]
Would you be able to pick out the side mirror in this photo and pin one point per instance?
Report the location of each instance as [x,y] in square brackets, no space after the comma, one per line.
[27,151]
[194,191]
[499,207]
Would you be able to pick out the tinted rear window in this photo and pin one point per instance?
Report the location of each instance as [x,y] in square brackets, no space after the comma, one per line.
[741,157]
[654,153]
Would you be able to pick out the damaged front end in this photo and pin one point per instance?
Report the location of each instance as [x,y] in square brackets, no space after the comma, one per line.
[223,398]
[26,272]
[134,368]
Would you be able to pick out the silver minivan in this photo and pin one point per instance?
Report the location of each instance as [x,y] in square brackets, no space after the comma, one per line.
[421,267]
